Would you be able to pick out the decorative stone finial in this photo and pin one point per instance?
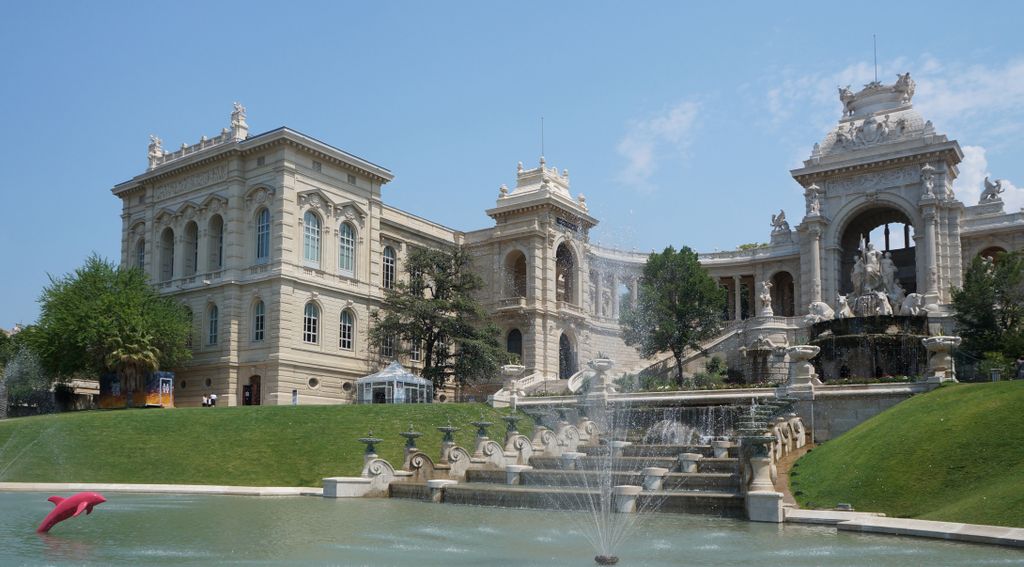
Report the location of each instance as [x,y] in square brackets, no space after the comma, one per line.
[519,167]
[542,162]
[502,191]
[582,200]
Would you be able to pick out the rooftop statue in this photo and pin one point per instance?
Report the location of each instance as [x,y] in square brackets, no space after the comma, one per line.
[905,86]
[779,223]
[846,97]
[992,191]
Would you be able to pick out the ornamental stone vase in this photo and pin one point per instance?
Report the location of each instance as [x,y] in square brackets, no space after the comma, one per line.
[941,367]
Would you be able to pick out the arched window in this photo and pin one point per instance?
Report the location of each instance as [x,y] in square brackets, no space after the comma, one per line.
[263,235]
[346,249]
[388,268]
[215,255]
[515,272]
[514,342]
[311,239]
[167,254]
[346,331]
[565,274]
[311,324]
[259,321]
[211,337]
[140,254]
[191,248]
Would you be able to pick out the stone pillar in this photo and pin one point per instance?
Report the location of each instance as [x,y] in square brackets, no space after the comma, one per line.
[690,462]
[721,448]
[654,478]
[815,264]
[625,498]
[599,294]
[615,295]
[737,293]
[931,271]
[634,292]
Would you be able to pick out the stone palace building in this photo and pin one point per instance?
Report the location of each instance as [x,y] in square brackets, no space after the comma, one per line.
[282,246]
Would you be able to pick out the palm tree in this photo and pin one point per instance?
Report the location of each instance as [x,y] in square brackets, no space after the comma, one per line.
[132,359]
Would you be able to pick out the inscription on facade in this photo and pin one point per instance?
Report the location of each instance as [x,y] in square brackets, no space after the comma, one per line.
[564,223]
[191,182]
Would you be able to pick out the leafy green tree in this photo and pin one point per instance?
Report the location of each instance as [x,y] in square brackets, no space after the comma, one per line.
[437,311]
[6,352]
[106,318]
[989,308]
[678,306]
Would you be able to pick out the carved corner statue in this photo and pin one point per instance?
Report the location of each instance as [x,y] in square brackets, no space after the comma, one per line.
[846,97]
[905,86]
[65,508]
[766,299]
[992,191]
[779,223]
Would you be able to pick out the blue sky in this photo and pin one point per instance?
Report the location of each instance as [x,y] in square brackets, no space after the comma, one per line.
[680,123]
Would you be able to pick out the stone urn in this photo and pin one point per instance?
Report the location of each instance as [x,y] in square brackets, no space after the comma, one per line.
[940,358]
[601,383]
[509,373]
[801,371]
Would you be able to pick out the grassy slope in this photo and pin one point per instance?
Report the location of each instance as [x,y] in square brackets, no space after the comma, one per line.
[244,446]
[955,454]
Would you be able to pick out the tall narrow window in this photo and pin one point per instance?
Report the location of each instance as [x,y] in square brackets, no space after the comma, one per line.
[388,268]
[212,336]
[188,340]
[387,347]
[346,249]
[259,321]
[311,239]
[310,324]
[167,255]
[414,352]
[140,254]
[263,235]
[191,248]
[215,253]
[345,331]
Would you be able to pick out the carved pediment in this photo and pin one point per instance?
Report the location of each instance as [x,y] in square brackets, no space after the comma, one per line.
[215,202]
[259,195]
[165,216]
[332,208]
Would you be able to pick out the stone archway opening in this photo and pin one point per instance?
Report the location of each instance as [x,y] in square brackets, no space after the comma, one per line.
[783,296]
[251,392]
[889,231]
[515,274]
[566,357]
[992,253]
[565,274]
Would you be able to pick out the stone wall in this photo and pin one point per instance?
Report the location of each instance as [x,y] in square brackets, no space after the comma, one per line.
[830,417]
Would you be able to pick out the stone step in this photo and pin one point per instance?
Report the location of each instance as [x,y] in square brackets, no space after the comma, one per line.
[673,481]
[635,464]
[719,503]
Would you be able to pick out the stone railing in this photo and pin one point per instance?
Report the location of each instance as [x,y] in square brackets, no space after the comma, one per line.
[511,302]
[158,159]
[576,380]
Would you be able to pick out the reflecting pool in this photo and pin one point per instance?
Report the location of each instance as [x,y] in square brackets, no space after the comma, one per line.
[132,529]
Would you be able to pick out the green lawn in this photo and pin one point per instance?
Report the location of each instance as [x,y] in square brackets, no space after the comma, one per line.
[955,454]
[242,446]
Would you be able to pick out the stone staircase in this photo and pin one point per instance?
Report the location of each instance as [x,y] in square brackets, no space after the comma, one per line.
[570,481]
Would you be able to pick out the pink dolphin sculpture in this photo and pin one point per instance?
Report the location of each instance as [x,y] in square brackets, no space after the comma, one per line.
[69,508]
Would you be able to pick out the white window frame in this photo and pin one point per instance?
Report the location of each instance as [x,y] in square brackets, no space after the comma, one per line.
[389,267]
[311,239]
[259,321]
[347,331]
[311,324]
[213,316]
[263,235]
[347,249]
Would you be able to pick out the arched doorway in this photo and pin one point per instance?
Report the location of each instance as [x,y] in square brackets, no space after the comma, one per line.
[514,343]
[251,392]
[566,358]
[783,300]
[992,253]
[890,232]
[515,274]
[565,274]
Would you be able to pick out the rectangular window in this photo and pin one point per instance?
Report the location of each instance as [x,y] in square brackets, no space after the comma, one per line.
[258,322]
[317,166]
[387,347]
[414,352]
[212,338]
[261,161]
[351,179]
[345,332]
[263,236]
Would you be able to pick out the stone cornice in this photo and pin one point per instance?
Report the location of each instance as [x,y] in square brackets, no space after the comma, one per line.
[950,152]
[260,142]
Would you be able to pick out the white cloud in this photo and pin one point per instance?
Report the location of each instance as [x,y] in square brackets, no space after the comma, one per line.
[969,184]
[648,142]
